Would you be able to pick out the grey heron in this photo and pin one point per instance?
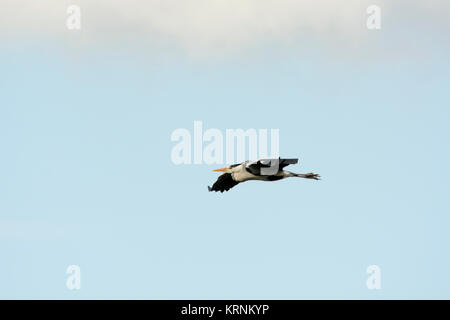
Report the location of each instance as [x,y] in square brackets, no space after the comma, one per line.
[263,170]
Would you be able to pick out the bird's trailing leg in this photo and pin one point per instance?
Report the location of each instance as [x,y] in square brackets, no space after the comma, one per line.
[307,175]
[312,176]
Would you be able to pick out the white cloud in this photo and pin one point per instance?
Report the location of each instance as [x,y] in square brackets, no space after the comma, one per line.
[201,25]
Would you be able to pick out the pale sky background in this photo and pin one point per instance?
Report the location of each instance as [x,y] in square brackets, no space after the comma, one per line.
[86,176]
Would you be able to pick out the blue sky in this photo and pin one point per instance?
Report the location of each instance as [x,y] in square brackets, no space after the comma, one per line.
[87,179]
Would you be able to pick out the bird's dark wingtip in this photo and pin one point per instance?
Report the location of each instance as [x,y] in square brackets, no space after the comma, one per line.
[209,189]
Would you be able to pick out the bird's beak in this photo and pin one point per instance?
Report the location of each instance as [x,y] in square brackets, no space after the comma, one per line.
[223,169]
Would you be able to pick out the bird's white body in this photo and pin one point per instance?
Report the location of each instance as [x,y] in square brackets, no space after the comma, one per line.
[240,174]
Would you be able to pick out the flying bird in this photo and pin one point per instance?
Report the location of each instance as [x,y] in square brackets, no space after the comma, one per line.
[264,170]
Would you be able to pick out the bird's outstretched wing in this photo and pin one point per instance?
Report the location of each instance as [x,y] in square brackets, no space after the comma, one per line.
[285,162]
[224,183]
[255,167]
